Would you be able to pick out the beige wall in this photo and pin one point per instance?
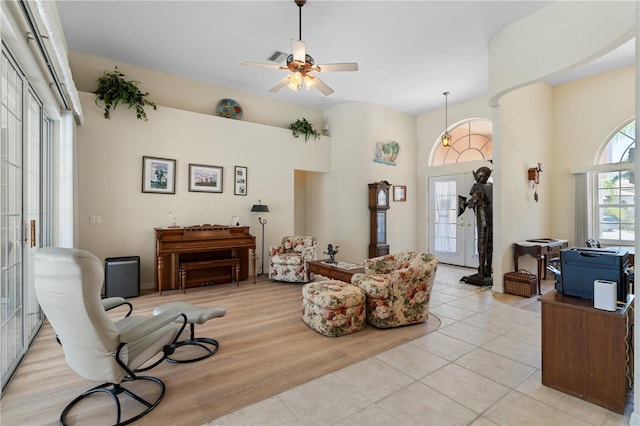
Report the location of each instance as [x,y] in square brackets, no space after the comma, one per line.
[557,38]
[561,127]
[110,166]
[189,95]
[430,127]
[317,188]
[525,127]
[585,113]
[340,215]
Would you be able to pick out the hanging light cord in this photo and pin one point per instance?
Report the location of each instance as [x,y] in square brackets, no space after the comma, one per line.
[446,111]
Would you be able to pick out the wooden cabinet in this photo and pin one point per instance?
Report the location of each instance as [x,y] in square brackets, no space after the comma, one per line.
[587,352]
[378,206]
[217,245]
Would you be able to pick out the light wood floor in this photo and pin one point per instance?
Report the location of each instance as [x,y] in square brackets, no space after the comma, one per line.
[265,349]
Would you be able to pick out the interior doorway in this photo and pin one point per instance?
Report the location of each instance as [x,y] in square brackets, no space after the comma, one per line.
[452,238]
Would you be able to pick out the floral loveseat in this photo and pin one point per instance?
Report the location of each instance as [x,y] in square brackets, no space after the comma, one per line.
[288,261]
[398,288]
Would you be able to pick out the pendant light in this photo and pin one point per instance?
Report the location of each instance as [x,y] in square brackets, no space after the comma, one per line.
[446,137]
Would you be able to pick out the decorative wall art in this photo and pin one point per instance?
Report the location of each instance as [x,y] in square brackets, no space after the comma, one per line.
[386,153]
[158,175]
[230,109]
[399,193]
[240,180]
[204,178]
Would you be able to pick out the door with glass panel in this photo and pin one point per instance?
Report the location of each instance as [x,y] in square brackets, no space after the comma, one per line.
[20,214]
[452,238]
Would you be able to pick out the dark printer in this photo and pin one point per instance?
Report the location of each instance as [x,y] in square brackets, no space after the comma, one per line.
[581,266]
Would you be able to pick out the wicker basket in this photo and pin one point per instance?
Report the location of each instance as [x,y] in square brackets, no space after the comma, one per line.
[521,283]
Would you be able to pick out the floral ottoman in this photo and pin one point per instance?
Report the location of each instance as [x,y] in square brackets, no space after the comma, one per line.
[333,308]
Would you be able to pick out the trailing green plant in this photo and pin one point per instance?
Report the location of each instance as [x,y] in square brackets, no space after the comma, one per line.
[114,89]
[303,127]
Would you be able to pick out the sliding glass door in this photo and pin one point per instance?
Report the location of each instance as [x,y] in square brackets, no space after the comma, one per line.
[21,205]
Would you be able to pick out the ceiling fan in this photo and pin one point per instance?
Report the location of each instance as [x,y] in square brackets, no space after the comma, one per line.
[302,65]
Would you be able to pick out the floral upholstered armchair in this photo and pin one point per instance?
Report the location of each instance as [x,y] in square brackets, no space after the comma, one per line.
[398,288]
[288,261]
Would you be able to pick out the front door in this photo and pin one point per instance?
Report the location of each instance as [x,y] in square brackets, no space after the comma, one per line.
[452,238]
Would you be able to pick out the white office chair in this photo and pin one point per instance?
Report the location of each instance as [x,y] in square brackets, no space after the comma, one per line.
[67,285]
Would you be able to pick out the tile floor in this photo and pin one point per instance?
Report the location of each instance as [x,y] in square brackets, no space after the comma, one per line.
[481,367]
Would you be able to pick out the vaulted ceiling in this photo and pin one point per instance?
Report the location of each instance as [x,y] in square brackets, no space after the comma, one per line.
[409,52]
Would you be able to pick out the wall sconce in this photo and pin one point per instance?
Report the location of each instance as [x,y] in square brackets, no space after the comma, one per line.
[446,137]
[533,174]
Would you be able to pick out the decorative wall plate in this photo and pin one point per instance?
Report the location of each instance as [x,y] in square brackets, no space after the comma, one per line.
[230,109]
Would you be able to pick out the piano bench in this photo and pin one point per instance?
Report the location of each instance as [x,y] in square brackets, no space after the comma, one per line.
[234,263]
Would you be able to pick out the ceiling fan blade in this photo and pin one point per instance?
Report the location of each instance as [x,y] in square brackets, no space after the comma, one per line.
[322,87]
[347,66]
[299,50]
[279,85]
[260,64]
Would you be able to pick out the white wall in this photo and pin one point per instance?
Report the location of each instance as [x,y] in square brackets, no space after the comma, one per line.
[110,165]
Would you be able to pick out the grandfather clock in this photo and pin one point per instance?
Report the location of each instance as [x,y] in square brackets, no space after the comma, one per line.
[378,206]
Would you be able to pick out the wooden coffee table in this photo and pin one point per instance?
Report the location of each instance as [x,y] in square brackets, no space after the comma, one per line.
[342,271]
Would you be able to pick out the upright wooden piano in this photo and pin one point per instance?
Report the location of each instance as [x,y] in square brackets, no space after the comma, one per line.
[175,245]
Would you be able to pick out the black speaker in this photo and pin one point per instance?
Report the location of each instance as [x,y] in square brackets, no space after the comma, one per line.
[122,276]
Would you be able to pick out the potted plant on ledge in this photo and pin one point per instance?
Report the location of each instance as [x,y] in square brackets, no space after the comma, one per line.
[303,127]
[114,89]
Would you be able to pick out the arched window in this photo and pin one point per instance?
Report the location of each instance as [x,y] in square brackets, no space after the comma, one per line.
[614,189]
[470,140]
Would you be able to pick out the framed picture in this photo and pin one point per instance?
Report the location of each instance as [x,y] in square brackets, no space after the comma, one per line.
[204,178]
[399,193]
[158,175]
[240,180]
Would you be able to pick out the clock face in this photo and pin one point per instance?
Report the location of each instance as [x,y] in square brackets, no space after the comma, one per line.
[382,197]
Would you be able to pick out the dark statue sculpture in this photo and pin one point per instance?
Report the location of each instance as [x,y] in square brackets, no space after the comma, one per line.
[332,253]
[481,200]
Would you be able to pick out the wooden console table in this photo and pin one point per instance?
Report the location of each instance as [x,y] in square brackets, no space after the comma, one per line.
[584,350]
[194,244]
[542,250]
[333,272]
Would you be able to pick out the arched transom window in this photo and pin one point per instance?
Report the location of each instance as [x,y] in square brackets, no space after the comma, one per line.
[470,140]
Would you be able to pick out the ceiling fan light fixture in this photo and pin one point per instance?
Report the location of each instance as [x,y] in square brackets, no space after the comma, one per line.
[295,81]
[445,139]
[309,81]
[301,65]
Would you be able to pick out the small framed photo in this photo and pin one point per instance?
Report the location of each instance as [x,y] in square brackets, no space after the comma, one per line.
[204,178]
[235,221]
[240,180]
[399,193]
[158,175]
